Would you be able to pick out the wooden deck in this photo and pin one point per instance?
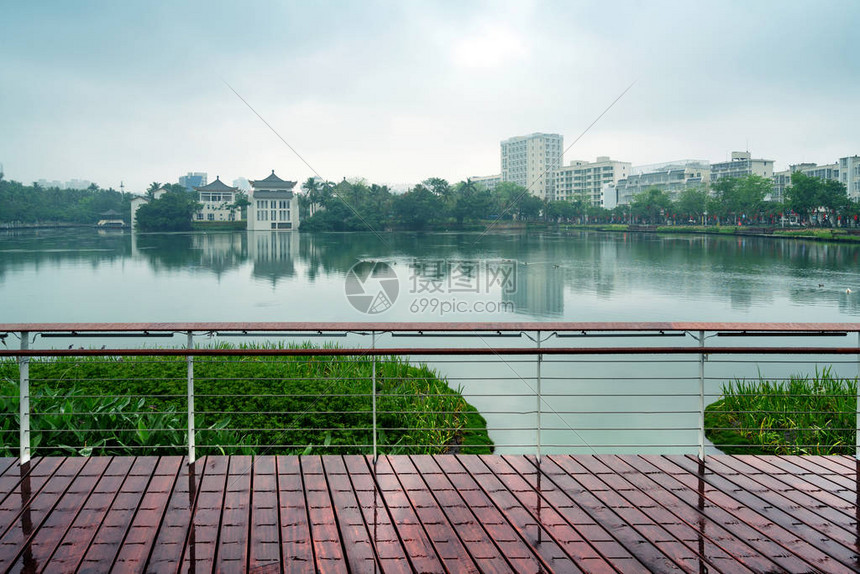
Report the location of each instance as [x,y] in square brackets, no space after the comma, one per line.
[430,514]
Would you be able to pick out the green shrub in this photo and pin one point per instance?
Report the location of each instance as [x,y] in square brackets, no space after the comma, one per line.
[264,404]
[801,416]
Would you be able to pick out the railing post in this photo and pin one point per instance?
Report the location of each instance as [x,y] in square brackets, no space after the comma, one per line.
[192,431]
[373,391]
[857,408]
[538,392]
[24,400]
[701,397]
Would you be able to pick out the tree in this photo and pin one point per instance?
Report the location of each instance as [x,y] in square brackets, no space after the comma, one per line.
[741,198]
[692,203]
[171,212]
[417,207]
[506,195]
[650,204]
[530,207]
[471,202]
[561,211]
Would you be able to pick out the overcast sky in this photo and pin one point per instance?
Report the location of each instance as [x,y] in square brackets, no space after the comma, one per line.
[396,92]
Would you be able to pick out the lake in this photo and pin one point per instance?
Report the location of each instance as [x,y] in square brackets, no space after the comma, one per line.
[87,275]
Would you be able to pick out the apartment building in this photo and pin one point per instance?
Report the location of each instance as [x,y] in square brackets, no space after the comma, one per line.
[742,164]
[530,161]
[585,180]
[671,177]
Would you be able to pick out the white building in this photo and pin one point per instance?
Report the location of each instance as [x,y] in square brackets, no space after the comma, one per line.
[849,175]
[139,200]
[217,200]
[488,182]
[273,204]
[671,177]
[845,171]
[585,180]
[530,161]
[741,165]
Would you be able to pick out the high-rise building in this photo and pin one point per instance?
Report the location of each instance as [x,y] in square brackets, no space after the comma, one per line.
[193,179]
[530,161]
[585,180]
[741,165]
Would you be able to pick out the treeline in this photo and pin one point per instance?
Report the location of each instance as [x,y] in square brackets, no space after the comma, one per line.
[21,203]
[357,206]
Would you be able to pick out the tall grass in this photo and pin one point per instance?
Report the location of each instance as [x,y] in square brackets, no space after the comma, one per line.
[262,404]
[804,415]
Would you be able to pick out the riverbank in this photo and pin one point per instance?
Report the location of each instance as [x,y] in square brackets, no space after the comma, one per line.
[848,235]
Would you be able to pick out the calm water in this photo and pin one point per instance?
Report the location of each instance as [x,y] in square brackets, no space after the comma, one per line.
[85,275]
[91,276]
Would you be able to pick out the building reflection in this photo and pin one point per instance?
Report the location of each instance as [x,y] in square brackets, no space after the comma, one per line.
[273,254]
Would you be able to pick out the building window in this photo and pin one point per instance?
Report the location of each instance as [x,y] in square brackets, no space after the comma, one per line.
[274,214]
[211,217]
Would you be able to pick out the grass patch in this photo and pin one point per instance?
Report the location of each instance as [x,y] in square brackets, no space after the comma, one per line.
[804,415]
[243,405]
[826,234]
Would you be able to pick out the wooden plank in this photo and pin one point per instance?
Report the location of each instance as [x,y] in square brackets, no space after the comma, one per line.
[190,537]
[24,483]
[462,521]
[76,540]
[816,508]
[357,543]
[817,535]
[559,547]
[36,509]
[388,547]
[634,508]
[296,544]
[233,538]
[842,486]
[34,514]
[467,506]
[49,534]
[328,547]
[410,531]
[720,546]
[144,529]
[446,542]
[673,480]
[265,542]
[114,526]
[766,522]
[717,545]
[430,513]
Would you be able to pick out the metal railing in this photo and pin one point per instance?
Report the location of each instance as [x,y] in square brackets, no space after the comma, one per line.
[524,387]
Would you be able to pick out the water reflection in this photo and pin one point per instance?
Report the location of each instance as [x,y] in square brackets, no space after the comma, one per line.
[560,275]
